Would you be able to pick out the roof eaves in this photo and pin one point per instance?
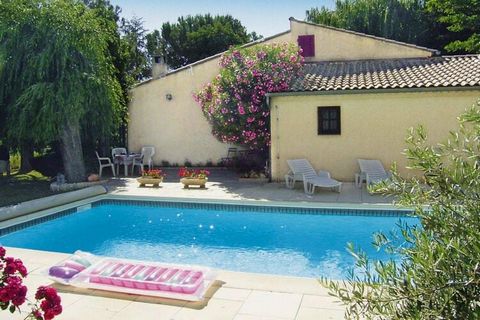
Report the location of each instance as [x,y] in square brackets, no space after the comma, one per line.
[370,91]
[246,45]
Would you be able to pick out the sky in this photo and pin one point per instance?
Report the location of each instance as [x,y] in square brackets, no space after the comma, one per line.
[266,17]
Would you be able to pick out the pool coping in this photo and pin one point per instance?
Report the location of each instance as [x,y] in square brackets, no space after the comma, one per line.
[274,204]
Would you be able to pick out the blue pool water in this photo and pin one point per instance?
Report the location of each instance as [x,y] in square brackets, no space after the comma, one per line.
[309,245]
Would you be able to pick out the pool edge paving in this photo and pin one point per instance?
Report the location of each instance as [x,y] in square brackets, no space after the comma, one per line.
[235,295]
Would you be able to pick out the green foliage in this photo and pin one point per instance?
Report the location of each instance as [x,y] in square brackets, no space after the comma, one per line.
[55,69]
[135,48]
[451,24]
[234,101]
[394,19]
[109,16]
[438,276]
[463,18]
[193,38]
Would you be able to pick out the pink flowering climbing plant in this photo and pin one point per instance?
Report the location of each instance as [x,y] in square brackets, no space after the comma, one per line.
[13,292]
[234,101]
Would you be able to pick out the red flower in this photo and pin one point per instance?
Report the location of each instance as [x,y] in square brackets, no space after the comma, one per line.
[51,305]
[13,293]
[194,174]
[154,173]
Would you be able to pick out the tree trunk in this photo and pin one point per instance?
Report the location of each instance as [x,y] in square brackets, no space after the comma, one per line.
[72,153]
[26,154]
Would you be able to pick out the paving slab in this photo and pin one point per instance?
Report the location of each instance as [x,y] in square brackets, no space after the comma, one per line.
[235,296]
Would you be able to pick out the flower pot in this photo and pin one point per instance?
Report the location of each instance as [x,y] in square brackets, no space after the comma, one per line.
[149,180]
[187,182]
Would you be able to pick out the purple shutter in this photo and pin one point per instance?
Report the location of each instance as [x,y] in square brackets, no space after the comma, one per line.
[307,43]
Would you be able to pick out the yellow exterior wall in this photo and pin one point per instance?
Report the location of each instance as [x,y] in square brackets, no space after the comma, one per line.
[374,126]
[331,44]
[178,129]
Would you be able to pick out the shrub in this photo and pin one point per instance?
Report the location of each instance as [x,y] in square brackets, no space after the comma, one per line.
[234,101]
[165,163]
[438,276]
[13,292]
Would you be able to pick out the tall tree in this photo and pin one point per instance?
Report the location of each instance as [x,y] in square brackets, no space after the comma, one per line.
[394,19]
[462,17]
[135,43]
[451,25]
[56,75]
[118,51]
[193,38]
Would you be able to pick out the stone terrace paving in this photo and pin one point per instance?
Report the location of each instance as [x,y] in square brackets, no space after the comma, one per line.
[224,185]
[235,295]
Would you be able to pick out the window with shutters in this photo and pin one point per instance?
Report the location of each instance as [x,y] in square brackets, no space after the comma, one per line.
[328,120]
[307,43]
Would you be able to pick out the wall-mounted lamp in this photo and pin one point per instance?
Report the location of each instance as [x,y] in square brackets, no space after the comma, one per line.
[169,96]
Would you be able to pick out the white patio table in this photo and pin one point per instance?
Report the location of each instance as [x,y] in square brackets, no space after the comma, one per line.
[125,160]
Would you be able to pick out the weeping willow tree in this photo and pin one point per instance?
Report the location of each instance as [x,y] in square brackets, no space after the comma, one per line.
[57,76]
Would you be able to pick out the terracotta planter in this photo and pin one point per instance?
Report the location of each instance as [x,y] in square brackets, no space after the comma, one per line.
[187,182]
[149,180]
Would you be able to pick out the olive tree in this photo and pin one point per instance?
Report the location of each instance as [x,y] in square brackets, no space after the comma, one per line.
[437,273]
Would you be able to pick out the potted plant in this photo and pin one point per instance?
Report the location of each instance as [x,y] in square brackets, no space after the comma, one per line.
[153,177]
[191,177]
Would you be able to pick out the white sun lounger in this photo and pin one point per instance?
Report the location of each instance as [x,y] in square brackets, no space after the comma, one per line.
[301,169]
[372,171]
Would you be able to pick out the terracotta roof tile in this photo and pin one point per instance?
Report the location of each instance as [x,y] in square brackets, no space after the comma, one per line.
[442,71]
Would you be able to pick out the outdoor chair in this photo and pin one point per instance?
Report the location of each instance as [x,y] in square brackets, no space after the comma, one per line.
[146,159]
[229,160]
[301,169]
[371,171]
[104,162]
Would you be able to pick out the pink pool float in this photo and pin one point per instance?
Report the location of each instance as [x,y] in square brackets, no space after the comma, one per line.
[136,277]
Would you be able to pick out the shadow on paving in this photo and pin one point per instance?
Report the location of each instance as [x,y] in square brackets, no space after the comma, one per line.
[224,183]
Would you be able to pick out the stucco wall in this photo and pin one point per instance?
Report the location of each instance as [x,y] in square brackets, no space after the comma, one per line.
[176,128]
[331,44]
[374,126]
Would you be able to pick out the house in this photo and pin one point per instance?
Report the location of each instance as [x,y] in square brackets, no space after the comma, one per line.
[356,98]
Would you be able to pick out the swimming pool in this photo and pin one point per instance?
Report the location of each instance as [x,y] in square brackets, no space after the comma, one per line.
[307,242]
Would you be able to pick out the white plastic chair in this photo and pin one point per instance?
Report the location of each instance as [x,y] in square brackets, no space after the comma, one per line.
[118,151]
[104,162]
[301,169]
[372,171]
[146,159]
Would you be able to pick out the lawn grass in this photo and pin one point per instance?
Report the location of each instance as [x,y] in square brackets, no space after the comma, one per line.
[23,187]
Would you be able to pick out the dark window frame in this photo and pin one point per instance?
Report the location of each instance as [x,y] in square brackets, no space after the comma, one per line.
[329,120]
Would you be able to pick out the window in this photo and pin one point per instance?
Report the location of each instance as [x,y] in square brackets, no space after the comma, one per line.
[307,43]
[328,120]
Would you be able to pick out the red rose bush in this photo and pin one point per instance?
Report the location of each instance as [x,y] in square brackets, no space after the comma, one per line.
[13,292]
